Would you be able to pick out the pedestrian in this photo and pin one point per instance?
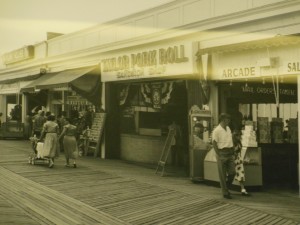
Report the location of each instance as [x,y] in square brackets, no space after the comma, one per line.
[61,121]
[37,123]
[239,162]
[51,146]
[223,146]
[176,145]
[69,141]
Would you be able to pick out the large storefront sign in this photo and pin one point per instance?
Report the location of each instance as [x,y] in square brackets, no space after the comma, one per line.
[257,63]
[19,55]
[291,67]
[148,63]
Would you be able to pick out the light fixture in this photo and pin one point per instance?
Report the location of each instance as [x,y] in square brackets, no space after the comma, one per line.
[230,83]
[44,69]
[263,81]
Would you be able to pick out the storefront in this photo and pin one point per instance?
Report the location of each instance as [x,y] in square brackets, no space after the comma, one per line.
[11,106]
[258,87]
[147,89]
[76,92]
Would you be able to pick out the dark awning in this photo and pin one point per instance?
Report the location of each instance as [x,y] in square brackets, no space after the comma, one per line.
[85,81]
[31,87]
[63,78]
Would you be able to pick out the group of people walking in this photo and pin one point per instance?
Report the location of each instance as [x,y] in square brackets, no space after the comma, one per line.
[56,133]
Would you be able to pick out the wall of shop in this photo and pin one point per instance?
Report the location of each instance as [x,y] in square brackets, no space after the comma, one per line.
[160,19]
[145,149]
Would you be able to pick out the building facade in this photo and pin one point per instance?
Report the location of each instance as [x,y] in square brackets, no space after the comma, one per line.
[150,68]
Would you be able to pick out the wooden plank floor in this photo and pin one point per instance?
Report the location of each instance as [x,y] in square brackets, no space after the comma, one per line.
[47,206]
[90,195]
[84,197]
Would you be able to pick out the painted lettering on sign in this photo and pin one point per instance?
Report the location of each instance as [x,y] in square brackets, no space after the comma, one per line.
[268,90]
[19,55]
[238,72]
[137,61]
[293,67]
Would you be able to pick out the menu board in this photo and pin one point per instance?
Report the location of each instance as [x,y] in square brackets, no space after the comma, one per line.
[97,131]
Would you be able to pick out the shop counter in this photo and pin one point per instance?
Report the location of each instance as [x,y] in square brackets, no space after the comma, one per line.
[252,166]
[142,148]
[280,164]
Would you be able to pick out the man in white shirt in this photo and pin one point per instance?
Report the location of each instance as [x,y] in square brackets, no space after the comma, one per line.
[223,146]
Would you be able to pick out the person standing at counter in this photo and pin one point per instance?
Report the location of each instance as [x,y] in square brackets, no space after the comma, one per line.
[176,146]
[223,146]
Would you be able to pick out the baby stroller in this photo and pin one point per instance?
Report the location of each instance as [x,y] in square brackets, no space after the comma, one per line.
[38,156]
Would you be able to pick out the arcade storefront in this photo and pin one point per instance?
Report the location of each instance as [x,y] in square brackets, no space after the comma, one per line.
[259,87]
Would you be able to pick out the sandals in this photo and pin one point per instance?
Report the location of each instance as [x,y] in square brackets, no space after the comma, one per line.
[245,193]
[51,164]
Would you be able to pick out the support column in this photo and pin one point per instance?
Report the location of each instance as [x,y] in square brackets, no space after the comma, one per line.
[3,108]
[298,91]
[24,107]
[102,147]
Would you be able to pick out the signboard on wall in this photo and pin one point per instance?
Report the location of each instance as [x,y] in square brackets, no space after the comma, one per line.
[170,60]
[19,55]
[254,63]
[263,93]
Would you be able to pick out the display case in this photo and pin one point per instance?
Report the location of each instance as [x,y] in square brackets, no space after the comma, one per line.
[200,130]
[252,165]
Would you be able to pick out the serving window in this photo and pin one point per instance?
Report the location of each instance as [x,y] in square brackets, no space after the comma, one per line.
[149,108]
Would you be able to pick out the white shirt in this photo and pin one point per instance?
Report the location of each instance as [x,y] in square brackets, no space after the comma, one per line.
[222,137]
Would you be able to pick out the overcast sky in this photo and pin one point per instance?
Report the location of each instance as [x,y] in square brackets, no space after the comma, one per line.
[26,22]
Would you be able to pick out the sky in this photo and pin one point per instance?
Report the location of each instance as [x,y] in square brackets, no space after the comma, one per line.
[26,22]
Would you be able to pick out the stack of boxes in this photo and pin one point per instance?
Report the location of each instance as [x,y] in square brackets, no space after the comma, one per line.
[263,127]
[277,130]
[249,137]
[293,130]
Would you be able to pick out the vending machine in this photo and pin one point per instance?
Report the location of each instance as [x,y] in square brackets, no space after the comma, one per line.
[200,127]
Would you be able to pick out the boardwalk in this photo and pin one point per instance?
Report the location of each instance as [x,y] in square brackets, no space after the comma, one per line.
[114,192]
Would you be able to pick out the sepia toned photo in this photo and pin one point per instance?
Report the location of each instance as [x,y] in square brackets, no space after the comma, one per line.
[149,112]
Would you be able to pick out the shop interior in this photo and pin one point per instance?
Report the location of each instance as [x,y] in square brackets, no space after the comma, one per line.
[147,109]
[271,108]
